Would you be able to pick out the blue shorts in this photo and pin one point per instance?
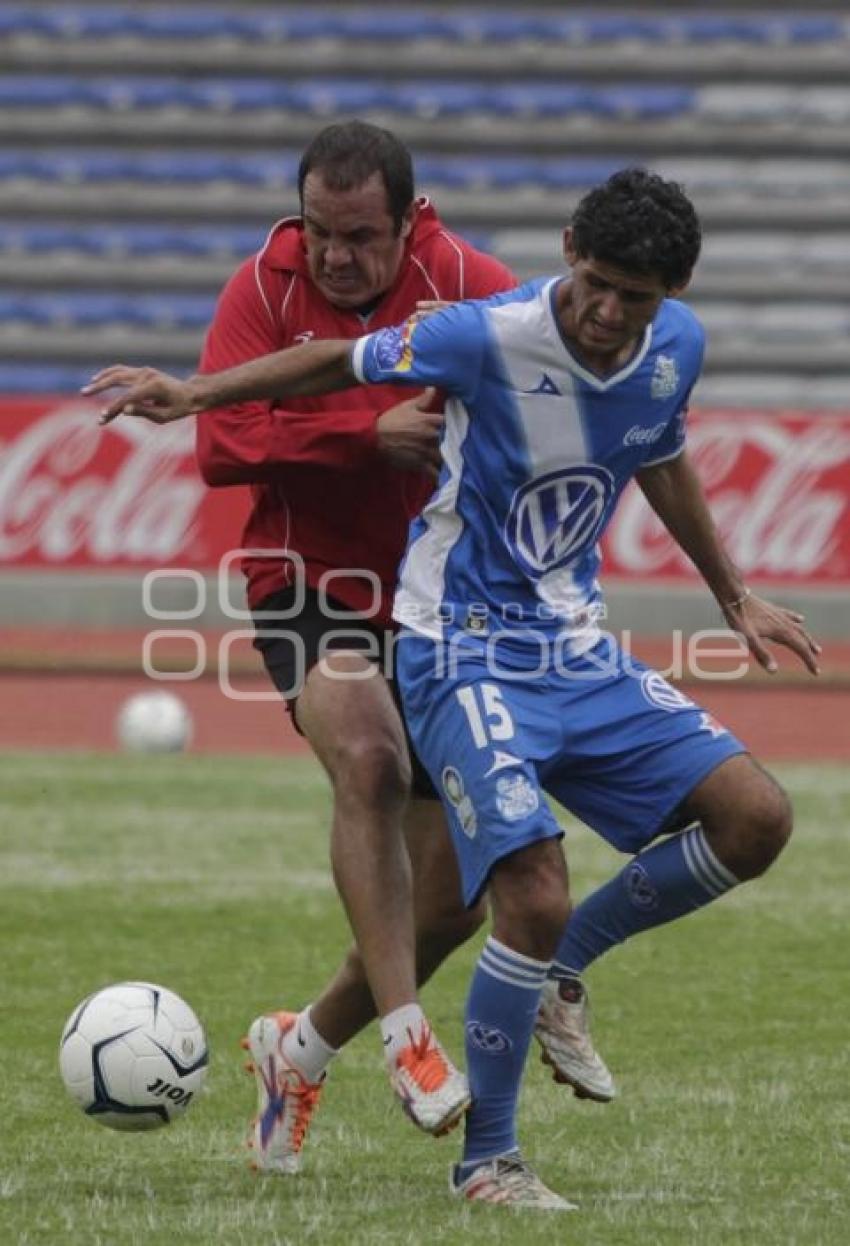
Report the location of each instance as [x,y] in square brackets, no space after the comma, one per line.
[607,736]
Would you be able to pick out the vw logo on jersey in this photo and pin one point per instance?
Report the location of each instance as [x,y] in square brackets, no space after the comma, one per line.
[556,517]
[487,1038]
[658,692]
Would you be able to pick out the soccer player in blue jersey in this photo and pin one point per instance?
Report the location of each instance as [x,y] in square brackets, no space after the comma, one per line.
[558,394]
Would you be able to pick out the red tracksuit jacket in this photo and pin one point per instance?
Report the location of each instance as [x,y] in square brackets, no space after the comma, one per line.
[320,487]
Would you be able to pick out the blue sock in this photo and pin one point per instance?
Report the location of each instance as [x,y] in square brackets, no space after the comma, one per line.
[666,881]
[500,1012]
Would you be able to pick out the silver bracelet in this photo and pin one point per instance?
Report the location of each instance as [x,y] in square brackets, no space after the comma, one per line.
[739,601]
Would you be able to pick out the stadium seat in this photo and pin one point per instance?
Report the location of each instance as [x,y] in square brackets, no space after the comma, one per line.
[331,96]
[194,22]
[139,240]
[92,309]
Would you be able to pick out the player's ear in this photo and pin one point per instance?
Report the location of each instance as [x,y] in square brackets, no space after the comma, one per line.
[570,254]
[407,221]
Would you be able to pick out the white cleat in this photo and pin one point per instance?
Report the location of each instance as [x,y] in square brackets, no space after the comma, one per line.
[286,1101]
[507,1179]
[433,1093]
[562,1030]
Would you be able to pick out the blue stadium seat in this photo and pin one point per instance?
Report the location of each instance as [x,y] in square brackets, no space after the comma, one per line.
[326,96]
[644,102]
[280,169]
[432,99]
[329,96]
[193,22]
[379,25]
[93,309]
[238,94]
[135,92]
[34,91]
[542,99]
[130,240]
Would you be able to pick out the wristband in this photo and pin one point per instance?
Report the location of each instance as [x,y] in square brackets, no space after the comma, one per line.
[739,601]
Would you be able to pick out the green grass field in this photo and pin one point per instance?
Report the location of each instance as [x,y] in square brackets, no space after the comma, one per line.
[728,1032]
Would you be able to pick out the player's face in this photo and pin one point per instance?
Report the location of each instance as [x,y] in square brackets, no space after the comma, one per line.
[606,308]
[353,248]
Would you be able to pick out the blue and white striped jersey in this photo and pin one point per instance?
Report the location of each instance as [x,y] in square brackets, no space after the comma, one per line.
[536,452]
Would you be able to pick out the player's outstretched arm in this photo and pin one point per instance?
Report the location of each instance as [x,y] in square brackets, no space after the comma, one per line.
[313,368]
[674,492]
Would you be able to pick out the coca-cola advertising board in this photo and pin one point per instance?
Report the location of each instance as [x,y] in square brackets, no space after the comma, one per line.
[129,496]
[778,483]
[124,497]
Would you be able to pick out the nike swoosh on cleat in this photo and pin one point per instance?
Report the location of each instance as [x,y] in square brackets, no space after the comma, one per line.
[302,1042]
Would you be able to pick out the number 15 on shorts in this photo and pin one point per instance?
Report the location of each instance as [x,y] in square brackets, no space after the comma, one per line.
[488,717]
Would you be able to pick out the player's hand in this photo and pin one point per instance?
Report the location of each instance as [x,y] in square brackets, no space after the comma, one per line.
[148,394]
[426,306]
[409,434]
[758,621]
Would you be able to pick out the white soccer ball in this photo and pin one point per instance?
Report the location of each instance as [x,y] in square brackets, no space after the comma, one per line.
[154,722]
[133,1056]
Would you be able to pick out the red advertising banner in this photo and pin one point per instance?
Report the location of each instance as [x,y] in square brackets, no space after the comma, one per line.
[129,496]
[778,483]
[125,497]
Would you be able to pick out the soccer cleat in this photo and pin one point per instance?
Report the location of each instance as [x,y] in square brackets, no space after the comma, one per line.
[433,1093]
[285,1100]
[506,1179]
[562,1031]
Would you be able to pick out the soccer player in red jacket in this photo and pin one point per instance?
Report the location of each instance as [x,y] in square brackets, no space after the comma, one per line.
[335,481]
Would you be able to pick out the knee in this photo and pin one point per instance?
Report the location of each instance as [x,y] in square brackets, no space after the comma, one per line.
[441,932]
[766,824]
[531,901]
[370,770]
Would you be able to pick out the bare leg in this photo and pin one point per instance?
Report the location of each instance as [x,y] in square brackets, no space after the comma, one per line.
[745,815]
[347,713]
[442,923]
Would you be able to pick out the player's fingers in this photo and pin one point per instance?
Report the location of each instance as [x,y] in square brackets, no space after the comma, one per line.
[107,378]
[805,648]
[116,408]
[424,400]
[137,401]
[808,639]
[761,654]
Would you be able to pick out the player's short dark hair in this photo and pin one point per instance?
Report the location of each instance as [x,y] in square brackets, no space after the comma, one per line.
[349,152]
[641,223]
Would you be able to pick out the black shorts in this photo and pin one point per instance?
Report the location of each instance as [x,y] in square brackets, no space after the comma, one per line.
[292,644]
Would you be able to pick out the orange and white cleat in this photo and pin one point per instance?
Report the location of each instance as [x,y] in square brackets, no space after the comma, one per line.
[433,1093]
[286,1101]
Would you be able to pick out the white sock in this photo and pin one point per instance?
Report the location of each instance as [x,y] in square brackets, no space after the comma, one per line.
[304,1047]
[399,1027]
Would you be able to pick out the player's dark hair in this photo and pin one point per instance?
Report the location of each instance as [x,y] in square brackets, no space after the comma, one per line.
[641,223]
[348,153]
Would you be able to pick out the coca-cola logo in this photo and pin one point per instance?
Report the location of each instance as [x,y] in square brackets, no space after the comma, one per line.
[777,490]
[72,491]
[639,436]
